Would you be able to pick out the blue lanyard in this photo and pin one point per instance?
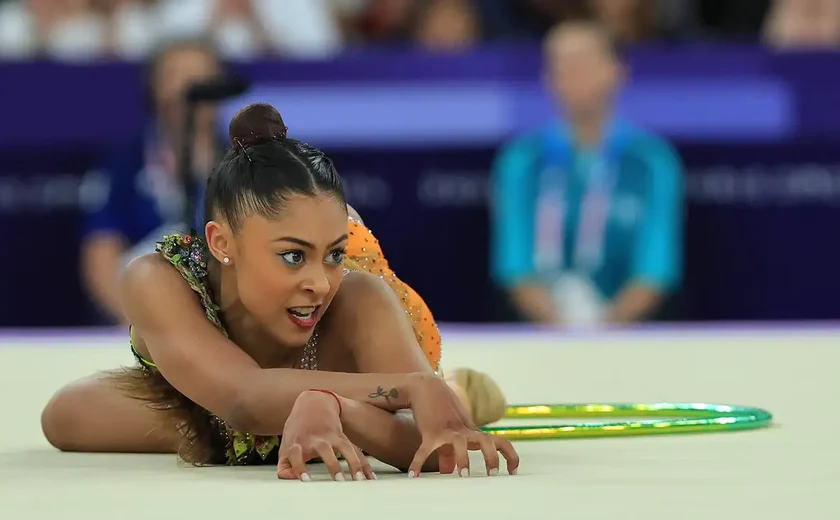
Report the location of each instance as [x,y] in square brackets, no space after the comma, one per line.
[552,205]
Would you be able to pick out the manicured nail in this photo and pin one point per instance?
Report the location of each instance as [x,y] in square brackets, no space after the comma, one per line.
[515,471]
[339,477]
[411,474]
[493,472]
[374,476]
[359,476]
[305,477]
[465,472]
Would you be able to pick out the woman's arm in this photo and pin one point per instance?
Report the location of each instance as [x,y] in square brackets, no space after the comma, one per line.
[656,267]
[214,373]
[377,330]
[512,227]
[391,437]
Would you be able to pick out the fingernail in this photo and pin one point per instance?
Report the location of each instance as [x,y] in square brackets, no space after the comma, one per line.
[339,477]
[465,472]
[374,476]
[359,476]
[411,474]
[305,477]
[493,472]
[514,471]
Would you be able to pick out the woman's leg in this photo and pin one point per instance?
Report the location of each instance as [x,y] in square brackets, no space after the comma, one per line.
[92,415]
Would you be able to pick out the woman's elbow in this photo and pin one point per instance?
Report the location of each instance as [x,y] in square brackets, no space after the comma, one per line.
[247,412]
[242,416]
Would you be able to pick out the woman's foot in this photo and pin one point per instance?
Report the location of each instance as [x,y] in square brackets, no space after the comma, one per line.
[479,394]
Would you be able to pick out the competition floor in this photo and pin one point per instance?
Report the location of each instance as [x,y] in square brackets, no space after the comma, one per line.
[791,469]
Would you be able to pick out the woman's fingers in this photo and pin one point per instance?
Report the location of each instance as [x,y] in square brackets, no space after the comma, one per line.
[446,459]
[352,456]
[293,464]
[508,452]
[453,453]
[366,467]
[488,449]
[327,454]
[462,454]
[423,453]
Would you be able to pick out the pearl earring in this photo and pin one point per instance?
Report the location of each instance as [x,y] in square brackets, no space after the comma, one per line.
[226,260]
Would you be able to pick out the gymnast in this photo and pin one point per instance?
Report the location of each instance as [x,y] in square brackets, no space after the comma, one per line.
[280,337]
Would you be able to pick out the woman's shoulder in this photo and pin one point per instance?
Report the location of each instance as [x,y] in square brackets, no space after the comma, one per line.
[147,273]
[175,271]
[173,250]
[357,286]
[359,294]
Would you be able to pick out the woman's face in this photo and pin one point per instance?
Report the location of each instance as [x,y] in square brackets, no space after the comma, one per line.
[288,269]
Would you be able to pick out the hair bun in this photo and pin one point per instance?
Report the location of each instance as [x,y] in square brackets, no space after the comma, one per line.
[255,124]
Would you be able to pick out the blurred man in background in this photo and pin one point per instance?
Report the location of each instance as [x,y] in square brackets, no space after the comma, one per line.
[138,194]
[588,211]
[803,24]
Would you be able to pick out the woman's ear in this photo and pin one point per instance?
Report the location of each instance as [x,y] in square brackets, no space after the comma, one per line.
[220,242]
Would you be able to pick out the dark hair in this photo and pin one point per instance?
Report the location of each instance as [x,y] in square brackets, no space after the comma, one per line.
[263,168]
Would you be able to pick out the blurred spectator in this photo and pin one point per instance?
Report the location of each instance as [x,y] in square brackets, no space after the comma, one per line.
[76,29]
[314,29]
[505,19]
[587,211]
[433,24]
[447,25]
[803,24]
[628,21]
[383,20]
[245,28]
[89,29]
[139,194]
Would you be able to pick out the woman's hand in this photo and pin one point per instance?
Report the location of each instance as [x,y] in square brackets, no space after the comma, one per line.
[446,427]
[313,430]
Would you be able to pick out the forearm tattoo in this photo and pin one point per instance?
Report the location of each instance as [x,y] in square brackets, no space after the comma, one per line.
[387,394]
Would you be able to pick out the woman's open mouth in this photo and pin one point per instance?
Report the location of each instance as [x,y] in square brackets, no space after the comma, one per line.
[304,317]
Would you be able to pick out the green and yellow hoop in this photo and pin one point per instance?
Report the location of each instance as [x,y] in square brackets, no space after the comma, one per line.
[672,418]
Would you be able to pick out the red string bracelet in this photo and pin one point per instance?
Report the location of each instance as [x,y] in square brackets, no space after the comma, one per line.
[330,392]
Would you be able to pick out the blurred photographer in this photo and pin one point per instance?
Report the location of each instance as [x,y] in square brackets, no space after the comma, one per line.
[135,192]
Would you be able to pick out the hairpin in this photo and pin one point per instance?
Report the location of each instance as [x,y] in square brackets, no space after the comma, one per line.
[239,142]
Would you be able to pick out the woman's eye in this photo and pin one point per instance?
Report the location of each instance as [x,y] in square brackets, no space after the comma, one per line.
[293,258]
[336,257]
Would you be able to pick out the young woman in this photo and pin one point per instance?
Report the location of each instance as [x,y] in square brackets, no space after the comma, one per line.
[259,345]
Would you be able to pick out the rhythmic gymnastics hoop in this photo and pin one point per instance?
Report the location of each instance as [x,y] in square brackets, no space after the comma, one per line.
[673,418]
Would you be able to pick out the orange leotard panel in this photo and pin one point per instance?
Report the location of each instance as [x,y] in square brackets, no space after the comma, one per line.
[365,254]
